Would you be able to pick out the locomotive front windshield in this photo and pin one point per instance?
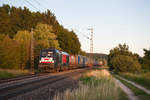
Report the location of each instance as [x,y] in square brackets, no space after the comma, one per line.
[47,54]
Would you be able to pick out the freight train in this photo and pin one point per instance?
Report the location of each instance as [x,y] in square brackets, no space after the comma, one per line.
[53,60]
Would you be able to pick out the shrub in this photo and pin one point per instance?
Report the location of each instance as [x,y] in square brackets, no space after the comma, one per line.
[124,63]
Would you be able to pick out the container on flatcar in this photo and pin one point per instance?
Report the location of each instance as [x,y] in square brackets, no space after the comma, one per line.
[64,60]
[72,61]
[84,61]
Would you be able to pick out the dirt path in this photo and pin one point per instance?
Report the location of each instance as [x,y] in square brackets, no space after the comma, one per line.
[129,93]
[136,85]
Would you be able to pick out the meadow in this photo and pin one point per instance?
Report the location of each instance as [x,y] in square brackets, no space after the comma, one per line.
[94,85]
[10,73]
[140,78]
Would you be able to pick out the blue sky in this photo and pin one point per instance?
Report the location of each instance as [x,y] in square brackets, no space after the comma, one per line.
[114,21]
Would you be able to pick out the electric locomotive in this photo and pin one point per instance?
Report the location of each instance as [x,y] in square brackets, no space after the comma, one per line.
[50,60]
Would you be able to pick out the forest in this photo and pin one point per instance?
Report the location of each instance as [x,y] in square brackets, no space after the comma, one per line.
[17,25]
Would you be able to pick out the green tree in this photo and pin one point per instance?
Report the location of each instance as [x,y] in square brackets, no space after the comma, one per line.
[124,63]
[68,41]
[24,40]
[5,23]
[147,53]
[14,19]
[9,57]
[83,53]
[121,59]
[2,37]
[145,61]
[44,37]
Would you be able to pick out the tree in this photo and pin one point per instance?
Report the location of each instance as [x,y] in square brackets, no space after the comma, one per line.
[122,63]
[121,59]
[146,54]
[83,53]
[23,38]
[14,19]
[5,26]
[2,36]
[145,61]
[44,37]
[68,41]
[9,57]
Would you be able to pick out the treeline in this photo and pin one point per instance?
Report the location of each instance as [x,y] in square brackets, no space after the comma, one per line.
[16,28]
[120,59]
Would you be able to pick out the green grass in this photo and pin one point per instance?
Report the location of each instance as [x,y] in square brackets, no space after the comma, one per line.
[8,73]
[122,95]
[5,74]
[95,85]
[141,94]
[140,78]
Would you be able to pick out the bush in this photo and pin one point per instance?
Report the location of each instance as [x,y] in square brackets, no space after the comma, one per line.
[124,63]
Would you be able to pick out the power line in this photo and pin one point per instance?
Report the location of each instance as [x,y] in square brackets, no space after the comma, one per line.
[32,5]
[83,34]
[39,4]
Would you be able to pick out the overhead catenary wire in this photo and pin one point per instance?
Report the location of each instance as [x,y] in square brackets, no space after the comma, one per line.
[32,5]
[83,34]
[39,4]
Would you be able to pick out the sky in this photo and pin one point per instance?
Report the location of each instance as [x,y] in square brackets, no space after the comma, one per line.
[113,21]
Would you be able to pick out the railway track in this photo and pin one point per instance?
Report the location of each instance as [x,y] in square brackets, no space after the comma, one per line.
[19,78]
[17,89]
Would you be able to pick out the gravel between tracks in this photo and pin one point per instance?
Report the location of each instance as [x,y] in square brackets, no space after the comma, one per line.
[47,92]
[31,79]
[42,92]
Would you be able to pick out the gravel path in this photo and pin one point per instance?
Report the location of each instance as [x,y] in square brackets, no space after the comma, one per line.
[136,85]
[128,91]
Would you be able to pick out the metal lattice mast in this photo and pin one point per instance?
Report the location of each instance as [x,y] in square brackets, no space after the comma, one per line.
[91,40]
[32,53]
[91,45]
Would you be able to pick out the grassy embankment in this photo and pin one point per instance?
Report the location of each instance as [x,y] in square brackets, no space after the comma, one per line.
[94,85]
[9,73]
[140,78]
[141,94]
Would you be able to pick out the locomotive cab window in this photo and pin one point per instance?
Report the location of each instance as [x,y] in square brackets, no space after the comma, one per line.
[47,54]
[50,54]
[44,54]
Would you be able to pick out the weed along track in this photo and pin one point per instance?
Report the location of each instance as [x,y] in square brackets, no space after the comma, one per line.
[128,91]
[136,85]
[97,84]
[138,91]
[15,90]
